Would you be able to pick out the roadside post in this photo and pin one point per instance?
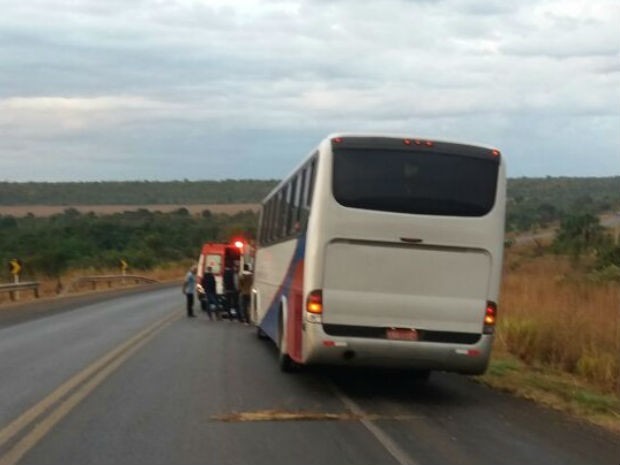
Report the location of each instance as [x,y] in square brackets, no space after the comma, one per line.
[15,267]
[124,266]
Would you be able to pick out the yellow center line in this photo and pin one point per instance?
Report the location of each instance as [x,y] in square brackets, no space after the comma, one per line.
[98,370]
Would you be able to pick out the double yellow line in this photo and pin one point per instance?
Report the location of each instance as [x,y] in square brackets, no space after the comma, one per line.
[63,399]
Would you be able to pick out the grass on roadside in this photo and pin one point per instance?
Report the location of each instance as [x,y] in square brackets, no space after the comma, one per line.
[552,315]
[49,287]
[558,336]
[553,388]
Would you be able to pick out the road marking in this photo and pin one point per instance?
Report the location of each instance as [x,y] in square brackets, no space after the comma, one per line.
[386,441]
[98,371]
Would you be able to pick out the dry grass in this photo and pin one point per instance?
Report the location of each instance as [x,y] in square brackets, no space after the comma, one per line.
[558,336]
[551,315]
[48,210]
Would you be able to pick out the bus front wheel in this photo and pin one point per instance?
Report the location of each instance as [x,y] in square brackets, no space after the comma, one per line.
[286,363]
[261,334]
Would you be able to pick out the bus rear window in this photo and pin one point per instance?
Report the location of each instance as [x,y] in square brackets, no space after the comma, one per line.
[414,182]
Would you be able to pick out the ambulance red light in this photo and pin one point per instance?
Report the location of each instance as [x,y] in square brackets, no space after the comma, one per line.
[239,244]
[495,152]
[428,143]
[337,140]
[407,141]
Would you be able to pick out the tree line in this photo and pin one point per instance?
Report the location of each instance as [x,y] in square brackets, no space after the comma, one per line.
[134,192]
[531,203]
[582,236]
[538,202]
[49,246]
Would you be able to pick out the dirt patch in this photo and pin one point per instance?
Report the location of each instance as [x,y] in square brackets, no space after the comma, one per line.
[285,415]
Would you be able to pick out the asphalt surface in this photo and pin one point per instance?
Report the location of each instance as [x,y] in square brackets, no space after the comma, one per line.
[164,396]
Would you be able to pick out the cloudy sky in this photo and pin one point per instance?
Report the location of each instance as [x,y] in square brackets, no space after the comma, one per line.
[213,89]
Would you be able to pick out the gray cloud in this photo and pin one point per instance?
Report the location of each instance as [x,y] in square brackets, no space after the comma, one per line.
[126,90]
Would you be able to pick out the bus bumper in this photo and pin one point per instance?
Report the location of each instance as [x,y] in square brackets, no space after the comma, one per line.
[322,348]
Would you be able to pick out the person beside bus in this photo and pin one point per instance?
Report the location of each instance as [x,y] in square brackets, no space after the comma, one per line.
[210,299]
[189,287]
[246,279]
[230,291]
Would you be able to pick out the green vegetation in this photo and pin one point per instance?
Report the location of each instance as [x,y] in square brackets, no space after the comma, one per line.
[554,388]
[538,202]
[582,235]
[532,202]
[55,244]
[134,192]
[50,246]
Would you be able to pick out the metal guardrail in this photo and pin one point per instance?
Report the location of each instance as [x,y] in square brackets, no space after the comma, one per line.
[109,279]
[12,289]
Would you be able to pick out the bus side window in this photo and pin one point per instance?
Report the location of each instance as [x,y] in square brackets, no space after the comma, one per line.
[300,196]
[304,210]
[292,205]
[266,238]
[286,207]
[272,219]
[311,176]
[261,225]
[277,223]
[264,226]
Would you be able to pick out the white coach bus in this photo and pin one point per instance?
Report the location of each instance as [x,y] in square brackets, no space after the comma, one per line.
[383,251]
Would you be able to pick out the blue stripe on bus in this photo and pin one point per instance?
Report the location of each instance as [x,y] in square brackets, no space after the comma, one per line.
[269,323]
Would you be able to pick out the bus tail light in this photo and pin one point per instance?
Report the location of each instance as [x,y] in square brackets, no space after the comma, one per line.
[490,317]
[314,303]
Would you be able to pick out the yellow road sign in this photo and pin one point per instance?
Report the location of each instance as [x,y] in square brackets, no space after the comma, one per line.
[124,265]
[16,267]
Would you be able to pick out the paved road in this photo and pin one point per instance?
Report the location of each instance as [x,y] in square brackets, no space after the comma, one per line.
[132,381]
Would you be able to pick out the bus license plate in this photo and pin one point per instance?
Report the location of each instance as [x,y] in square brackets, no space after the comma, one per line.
[402,334]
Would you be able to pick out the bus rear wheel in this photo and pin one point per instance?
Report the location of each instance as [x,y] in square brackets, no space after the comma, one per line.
[287,364]
[419,376]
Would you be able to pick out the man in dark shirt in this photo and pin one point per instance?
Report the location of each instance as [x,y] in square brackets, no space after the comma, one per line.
[208,284]
[230,291]
[245,289]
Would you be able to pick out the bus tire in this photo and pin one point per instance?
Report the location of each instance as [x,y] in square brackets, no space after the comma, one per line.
[420,376]
[261,334]
[286,363]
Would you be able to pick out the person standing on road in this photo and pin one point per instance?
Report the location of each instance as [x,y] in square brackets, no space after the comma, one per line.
[210,301]
[230,291]
[246,279]
[189,287]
